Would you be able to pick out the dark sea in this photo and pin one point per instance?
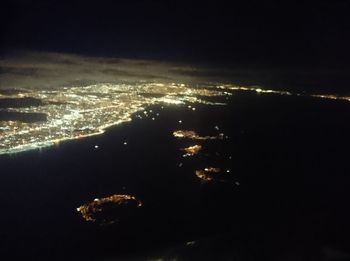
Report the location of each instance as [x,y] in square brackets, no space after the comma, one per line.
[285,197]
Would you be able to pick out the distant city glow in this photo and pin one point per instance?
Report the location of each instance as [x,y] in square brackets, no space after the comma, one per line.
[331,97]
[279,92]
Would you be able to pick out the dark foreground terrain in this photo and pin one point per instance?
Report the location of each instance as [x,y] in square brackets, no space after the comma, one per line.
[285,196]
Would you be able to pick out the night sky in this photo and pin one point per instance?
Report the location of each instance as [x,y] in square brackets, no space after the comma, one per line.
[276,33]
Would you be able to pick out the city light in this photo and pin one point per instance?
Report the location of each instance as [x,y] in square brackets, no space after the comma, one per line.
[93,211]
[78,112]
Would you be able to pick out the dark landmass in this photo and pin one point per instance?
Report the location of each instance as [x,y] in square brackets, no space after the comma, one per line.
[150,95]
[11,91]
[19,102]
[22,117]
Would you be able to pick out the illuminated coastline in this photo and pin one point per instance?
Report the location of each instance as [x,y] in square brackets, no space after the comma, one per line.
[229,87]
[79,112]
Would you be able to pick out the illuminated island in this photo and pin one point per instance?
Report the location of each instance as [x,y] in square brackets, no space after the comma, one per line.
[109,210]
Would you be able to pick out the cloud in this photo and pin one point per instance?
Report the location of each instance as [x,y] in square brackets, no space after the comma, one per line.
[52,70]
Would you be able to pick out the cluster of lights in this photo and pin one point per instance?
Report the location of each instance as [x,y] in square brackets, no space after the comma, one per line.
[192,150]
[213,174]
[230,87]
[331,97]
[192,135]
[207,174]
[98,205]
[78,112]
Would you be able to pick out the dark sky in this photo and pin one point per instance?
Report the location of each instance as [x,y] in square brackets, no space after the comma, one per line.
[242,32]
